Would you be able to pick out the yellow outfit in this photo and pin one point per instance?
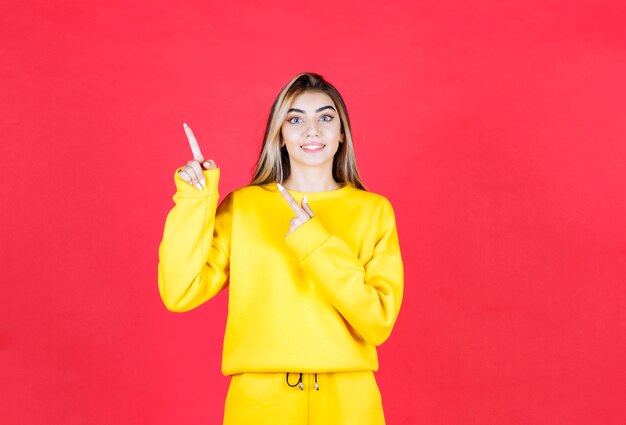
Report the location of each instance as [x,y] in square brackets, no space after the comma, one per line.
[318,301]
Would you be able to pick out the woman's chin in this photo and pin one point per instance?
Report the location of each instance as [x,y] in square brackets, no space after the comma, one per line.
[310,161]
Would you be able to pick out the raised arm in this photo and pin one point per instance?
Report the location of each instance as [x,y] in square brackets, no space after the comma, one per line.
[194,252]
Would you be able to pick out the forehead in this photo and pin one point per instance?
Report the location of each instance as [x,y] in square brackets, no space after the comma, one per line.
[311,100]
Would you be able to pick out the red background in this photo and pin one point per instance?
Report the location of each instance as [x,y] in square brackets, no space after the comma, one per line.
[496,128]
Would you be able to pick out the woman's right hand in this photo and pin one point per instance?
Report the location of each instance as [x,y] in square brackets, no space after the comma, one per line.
[192,172]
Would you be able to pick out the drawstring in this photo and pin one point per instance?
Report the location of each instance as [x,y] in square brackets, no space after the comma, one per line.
[300,384]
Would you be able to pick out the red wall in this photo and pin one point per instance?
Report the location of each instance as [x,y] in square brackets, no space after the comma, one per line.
[496,128]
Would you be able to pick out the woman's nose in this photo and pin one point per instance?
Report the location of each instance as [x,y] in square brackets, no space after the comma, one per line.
[311,129]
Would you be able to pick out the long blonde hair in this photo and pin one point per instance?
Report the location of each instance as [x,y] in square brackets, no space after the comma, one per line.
[273,163]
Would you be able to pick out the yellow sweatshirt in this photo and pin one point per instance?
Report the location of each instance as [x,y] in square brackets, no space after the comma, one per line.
[318,300]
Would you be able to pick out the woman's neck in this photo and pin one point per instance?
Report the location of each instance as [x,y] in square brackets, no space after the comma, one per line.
[311,180]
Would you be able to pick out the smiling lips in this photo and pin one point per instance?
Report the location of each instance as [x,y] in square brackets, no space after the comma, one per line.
[313,147]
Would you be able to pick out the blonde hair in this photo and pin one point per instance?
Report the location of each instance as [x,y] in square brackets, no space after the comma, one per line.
[273,163]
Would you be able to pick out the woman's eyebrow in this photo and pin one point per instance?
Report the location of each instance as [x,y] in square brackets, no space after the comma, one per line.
[317,110]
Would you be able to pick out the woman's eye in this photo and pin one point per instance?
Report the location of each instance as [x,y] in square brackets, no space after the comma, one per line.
[327,117]
[294,120]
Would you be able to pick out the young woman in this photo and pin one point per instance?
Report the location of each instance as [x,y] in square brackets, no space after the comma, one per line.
[311,259]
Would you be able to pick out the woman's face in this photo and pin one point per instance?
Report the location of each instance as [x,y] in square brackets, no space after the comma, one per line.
[312,129]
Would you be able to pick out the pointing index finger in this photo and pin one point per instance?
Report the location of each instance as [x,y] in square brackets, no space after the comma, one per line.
[292,202]
[193,144]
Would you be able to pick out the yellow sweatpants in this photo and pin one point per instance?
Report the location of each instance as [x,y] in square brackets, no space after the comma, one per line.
[347,398]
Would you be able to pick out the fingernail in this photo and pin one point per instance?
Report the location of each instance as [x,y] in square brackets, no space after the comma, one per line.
[198,186]
[185,125]
[280,187]
[203,182]
[304,199]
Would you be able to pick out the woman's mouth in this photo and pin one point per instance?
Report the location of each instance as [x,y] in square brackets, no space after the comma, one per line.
[313,147]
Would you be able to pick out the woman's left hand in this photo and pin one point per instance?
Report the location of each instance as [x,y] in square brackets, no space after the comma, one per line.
[303,213]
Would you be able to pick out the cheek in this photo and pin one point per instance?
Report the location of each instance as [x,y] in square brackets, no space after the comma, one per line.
[287,133]
[334,130]
[289,143]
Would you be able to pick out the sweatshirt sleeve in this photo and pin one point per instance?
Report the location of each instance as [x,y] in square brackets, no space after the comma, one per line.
[367,295]
[195,249]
